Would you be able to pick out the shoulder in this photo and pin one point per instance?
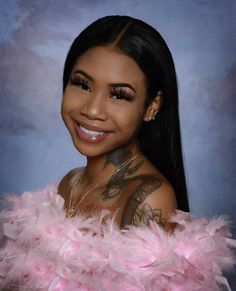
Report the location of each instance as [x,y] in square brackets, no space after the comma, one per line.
[67,181]
[163,196]
[153,200]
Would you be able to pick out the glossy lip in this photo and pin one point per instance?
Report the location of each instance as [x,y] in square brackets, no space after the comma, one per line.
[92,127]
[88,138]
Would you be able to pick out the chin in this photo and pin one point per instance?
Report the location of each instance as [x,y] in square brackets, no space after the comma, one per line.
[96,149]
[90,150]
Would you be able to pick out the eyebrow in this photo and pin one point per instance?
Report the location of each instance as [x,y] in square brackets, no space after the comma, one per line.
[114,85]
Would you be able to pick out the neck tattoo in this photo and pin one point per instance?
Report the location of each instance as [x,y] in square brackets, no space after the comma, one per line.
[73,206]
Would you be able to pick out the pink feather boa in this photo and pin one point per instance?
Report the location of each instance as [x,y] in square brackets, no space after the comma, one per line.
[44,250]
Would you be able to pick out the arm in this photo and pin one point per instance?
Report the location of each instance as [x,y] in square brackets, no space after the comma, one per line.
[155,205]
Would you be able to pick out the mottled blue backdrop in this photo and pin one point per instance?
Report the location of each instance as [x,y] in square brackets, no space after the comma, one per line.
[35,36]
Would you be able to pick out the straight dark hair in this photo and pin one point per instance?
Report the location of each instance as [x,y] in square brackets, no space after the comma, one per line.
[160,139]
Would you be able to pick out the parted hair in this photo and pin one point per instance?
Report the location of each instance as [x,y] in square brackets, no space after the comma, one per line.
[160,139]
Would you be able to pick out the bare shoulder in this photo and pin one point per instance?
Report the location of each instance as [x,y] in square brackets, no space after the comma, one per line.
[157,206]
[163,196]
[154,199]
[67,181]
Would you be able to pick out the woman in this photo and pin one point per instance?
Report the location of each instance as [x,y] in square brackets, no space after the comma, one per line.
[120,106]
[120,99]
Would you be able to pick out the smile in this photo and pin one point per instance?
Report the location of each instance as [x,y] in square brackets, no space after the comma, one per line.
[91,132]
[89,135]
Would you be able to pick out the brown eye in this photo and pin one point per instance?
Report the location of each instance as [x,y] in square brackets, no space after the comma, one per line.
[84,86]
[79,82]
[119,94]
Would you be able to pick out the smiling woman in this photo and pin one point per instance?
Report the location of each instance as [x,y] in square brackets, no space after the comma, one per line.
[104,101]
[114,224]
[104,107]
[120,99]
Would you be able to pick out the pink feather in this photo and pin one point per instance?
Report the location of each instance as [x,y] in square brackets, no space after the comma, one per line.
[44,250]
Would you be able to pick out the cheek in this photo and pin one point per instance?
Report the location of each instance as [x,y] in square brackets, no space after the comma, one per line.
[128,119]
[67,107]
[64,109]
[69,102]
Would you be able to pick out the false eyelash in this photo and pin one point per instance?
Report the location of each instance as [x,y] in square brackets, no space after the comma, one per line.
[122,94]
[78,81]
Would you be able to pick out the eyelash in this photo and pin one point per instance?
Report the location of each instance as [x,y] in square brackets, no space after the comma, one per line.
[121,94]
[78,81]
[118,92]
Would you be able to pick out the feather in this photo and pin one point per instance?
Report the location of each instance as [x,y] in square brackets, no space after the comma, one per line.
[41,249]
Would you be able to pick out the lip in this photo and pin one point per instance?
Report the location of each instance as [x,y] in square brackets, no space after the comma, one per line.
[92,127]
[90,138]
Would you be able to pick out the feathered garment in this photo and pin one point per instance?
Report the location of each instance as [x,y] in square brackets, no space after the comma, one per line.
[41,249]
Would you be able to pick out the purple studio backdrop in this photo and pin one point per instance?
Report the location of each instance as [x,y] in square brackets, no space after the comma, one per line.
[35,36]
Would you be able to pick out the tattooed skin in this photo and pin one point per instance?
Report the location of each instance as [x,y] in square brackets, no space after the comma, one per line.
[120,179]
[147,184]
[146,213]
[117,157]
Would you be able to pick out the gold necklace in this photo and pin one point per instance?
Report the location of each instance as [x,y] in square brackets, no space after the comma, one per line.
[72,209]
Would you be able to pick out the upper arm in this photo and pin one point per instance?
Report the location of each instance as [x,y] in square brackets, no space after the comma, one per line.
[157,206]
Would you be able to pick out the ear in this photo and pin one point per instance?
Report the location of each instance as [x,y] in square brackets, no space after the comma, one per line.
[153,107]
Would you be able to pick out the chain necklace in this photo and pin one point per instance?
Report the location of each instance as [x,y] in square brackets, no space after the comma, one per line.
[73,207]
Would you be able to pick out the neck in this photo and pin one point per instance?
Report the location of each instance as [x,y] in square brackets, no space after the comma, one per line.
[99,167]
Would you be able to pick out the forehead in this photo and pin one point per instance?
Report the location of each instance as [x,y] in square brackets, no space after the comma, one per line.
[107,64]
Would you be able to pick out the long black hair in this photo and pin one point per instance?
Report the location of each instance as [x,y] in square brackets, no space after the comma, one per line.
[160,139]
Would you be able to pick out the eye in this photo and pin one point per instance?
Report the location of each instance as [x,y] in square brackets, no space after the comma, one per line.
[80,82]
[120,94]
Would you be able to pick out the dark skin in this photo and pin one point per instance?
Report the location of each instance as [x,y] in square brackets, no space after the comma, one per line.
[132,207]
[105,97]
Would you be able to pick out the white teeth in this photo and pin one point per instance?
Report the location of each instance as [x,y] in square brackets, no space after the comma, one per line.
[91,132]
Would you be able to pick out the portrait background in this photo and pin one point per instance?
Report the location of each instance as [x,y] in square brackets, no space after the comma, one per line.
[35,36]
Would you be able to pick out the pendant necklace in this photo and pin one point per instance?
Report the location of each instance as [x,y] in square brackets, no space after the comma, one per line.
[73,207]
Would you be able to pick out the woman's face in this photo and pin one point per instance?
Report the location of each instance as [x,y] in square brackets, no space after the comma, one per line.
[103,103]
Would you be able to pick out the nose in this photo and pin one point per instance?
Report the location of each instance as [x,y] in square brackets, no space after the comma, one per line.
[95,107]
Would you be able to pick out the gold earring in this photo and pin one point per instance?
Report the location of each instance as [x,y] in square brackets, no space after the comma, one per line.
[154,116]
